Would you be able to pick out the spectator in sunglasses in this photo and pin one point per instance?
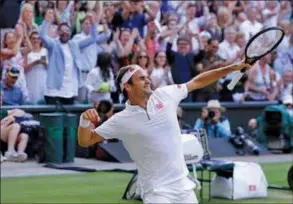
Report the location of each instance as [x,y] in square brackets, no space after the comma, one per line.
[65,61]
[143,60]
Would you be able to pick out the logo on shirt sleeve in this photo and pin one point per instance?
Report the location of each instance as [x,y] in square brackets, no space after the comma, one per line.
[179,86]
[159,106]
[252,187]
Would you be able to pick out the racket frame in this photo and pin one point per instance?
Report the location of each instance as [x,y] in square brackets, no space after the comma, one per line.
[252,60]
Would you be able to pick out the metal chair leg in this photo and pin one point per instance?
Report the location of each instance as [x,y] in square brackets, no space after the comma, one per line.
[210,189]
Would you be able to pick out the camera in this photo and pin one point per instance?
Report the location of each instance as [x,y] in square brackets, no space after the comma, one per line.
[211,114]
[241,140]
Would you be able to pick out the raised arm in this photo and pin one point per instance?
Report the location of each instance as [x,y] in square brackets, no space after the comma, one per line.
[8,53]
[93,35]
[48,41]
[104,36]
[149,11]
[169,52]
[209,77]
[86,134]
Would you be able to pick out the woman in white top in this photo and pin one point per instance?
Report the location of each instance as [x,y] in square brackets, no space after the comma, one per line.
[100,81]
[161,74]
[262,81]
[35,68]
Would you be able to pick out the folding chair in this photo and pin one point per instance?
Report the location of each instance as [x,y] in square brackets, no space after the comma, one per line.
[221,168]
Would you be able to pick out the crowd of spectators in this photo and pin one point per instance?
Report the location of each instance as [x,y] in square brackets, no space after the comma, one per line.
[71,51]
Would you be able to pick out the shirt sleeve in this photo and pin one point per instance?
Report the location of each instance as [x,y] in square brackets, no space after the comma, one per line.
[175,92]
[198,124]
[109,129]
[224,129]
[90,81]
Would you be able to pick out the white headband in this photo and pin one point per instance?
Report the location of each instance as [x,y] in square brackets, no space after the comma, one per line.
[128,75]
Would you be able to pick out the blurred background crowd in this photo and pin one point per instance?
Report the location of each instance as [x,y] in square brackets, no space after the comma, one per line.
[71,51]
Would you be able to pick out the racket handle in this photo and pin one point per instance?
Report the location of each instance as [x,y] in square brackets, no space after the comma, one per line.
[235,80]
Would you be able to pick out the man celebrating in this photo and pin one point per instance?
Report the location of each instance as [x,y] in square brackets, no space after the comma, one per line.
[149,130]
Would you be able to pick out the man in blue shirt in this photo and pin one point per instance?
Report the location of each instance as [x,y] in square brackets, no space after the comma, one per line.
[212,120]
[65,61]
[12,95]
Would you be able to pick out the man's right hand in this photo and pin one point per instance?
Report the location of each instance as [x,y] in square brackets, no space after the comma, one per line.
[90,115]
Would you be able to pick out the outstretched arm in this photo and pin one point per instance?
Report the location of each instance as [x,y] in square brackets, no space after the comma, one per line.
[86,134]
[209,77]
[48,41]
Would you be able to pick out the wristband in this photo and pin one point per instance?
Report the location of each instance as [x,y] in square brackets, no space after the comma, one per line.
[84,123]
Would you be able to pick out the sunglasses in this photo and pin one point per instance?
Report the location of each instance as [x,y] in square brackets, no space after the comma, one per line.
[142,56]
[65,30]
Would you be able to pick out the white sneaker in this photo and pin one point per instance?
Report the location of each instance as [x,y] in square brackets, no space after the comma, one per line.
[3,159]
[21,156]
[11,156]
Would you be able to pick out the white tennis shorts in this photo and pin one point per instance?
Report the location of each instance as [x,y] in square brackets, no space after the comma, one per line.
[181,191]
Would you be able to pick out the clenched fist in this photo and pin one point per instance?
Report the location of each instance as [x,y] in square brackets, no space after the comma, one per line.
[91,115]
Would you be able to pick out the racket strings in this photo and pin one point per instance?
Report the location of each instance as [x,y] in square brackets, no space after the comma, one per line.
[264,43]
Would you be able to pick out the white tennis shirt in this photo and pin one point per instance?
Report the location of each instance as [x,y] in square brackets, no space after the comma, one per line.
[152,137]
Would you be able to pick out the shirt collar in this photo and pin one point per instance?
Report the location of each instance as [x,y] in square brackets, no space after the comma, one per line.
[130,107]
[133,108]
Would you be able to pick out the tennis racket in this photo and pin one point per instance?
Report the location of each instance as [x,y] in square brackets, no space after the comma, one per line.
[258,46]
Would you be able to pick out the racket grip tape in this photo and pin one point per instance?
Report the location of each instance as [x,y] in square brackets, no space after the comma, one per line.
[235,80]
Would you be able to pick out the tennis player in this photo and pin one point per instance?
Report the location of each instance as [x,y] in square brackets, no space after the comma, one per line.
[149,130]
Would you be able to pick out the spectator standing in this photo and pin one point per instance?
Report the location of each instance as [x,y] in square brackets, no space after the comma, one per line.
[26,22]
[228,48]
[194,24]
[132,16]
[35,67]
[213,28]
[64,11]
[224,17]
[64,68]
[90,53]
[183,61]
[270,13]
[100,81]
[250,26]
[210,61]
